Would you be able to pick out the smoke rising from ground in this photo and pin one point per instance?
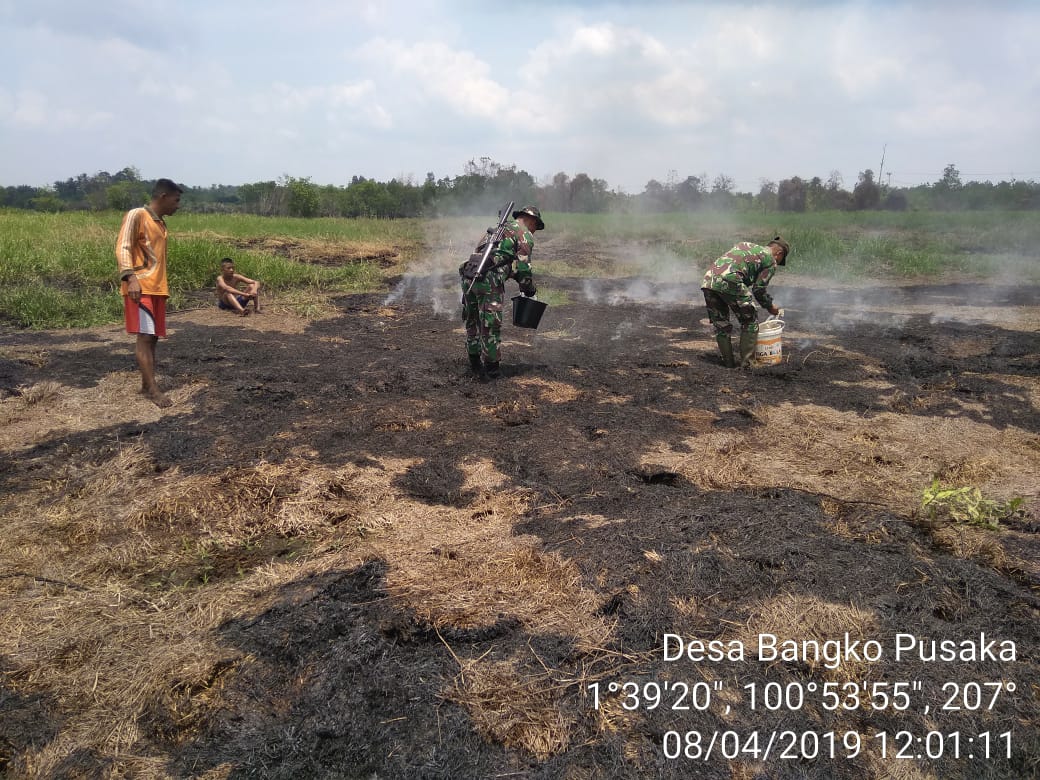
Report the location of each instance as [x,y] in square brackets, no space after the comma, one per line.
[664,275]
[433,279]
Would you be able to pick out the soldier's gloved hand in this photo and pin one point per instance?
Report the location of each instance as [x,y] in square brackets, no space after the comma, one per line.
[527,288]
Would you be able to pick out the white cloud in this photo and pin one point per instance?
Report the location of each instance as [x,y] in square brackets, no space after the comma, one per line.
[609,76]
[452,77]
[32,109]
[220,126]
[302,106]
[350,94]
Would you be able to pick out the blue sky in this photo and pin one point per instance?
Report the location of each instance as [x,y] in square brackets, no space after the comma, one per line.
[234,92]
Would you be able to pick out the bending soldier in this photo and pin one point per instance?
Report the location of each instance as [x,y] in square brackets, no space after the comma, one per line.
[483,294]
[740,275]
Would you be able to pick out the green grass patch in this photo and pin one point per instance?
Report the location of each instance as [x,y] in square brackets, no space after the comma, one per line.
[966,504]
[59,270]
[841,245]
[554,297]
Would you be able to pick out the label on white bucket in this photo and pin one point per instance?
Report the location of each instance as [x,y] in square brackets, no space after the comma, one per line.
[768,348]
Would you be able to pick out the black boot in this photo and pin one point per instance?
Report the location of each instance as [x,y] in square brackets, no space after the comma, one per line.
[478,368]
[726,348]
[493,368]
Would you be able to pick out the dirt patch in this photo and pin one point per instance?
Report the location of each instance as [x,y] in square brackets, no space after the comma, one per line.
[319,252]
[338,555]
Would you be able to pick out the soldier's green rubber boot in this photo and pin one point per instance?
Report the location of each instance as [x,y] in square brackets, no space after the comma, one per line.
[726,348]
[747,348]
[493,368]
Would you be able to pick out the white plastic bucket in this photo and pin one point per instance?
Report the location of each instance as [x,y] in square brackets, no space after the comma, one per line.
[769,346]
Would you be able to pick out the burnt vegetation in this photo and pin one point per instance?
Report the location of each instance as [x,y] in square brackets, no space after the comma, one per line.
[339,556]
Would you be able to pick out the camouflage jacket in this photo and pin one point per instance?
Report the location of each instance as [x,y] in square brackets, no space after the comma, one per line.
[743,272]
[516,245]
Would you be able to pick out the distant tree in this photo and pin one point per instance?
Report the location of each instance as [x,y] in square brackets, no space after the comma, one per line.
[97,190]
[840,200]
[485,168]
[951,178]
[486,185]
[948,190]
[722,184]
[303,198]
[896,200]
[72,191]
[403,199]
[265,198]
[47,201]
[766,197]
[587,195]
[792,195]
[372,199]
[690,192]
[126,194]
[128,174]
[866,194]
[815,194]
[743,202]
[556,196]
[1016,195]
[655,197]
[507,184]
[20,196]
[722,191]
[429,191]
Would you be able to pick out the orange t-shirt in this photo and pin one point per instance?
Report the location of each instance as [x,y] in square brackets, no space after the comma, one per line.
[141,248]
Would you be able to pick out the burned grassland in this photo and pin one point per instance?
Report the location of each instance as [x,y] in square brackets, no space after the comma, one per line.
[338,555]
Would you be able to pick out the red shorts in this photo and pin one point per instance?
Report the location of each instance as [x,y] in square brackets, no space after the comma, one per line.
[146,316]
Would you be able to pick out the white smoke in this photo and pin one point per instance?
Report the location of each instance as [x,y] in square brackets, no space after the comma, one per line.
[653,277]
[623,330]
[433,279]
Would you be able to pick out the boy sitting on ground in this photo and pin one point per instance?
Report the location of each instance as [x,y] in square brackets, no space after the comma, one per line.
[230,296]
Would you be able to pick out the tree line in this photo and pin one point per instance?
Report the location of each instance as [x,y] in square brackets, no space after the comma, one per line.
[485,185]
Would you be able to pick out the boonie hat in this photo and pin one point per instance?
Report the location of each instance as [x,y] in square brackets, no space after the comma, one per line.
[783,245]
[531,211]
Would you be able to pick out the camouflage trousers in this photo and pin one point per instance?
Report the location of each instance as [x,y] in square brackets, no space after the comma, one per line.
[721,304]
[482,313]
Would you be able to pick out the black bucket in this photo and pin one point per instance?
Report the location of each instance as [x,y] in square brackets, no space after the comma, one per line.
[527,312]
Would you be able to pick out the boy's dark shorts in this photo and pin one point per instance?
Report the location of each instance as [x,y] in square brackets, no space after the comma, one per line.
[241,302]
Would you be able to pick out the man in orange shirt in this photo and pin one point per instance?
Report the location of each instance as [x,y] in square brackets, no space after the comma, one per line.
[141,255]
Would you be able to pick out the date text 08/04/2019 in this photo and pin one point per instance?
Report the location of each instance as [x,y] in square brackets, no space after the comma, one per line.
[810,745]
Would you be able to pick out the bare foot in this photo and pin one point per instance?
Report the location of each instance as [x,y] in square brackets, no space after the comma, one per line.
[157,397]
[244,313]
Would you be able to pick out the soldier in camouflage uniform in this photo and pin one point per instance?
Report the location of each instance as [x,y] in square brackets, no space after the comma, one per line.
[730,284]
[482,303]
